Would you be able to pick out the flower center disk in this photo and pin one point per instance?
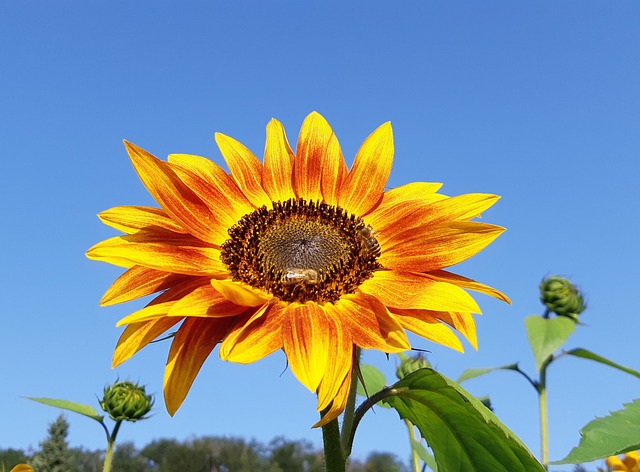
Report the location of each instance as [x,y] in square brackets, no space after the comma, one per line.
[302,251]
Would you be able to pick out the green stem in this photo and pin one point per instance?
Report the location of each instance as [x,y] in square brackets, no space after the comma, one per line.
[111,444]
[334,460]
[415,459]
[349,411]
[542,402]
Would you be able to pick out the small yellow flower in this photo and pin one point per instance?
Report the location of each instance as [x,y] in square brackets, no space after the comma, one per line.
[630,462]
[298,253]
[22,468]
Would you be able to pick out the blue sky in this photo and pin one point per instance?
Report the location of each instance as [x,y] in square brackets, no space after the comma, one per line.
[536,101]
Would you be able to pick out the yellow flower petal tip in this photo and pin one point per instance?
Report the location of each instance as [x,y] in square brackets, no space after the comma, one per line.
[294,252]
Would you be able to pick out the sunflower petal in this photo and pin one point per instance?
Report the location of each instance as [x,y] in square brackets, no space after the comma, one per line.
[246,169]
[141,249]
[407,290]
[211,172]
[149,312]
[466,283]
[369,322]
[239,293]
[191,346]
[442,246]
[173,195]
[339,363]
[206,302]
[305,336]
[131,219]
[253,337]
[138,282]
[334,170]
[137,335]
[428,327]
[314,137]
[277,178]
[363,187]
[339,403]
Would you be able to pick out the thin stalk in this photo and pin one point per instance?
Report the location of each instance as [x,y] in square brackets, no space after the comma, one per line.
[334,460]
[542,401]
[111,444]
[415,459]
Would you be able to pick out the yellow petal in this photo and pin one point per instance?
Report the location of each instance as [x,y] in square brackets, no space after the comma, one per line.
[239,293]
[22,468]
[173,195]
[428,249]
[205,302]
[339,363]
[137,335]
[428,327]
[334,170]
[312,144]
[338,404]
[467,283]
[191,346]
[277,178]
[407,290]
[138,282]
[363,187]
[305,336]
[131,219]
[246,169]
[253,337]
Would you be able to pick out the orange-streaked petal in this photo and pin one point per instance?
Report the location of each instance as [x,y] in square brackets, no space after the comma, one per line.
[173,195]
[216,176]
[363,187]
[310,153]
[131,219]
[407,290]
[334,170]
[461,322]
[240,293]
[466,283]
[277,178]
[138,282]
[149,312]
[206,302]
[137,335]
[253,337]
[246,169]
[339,403]
[191,346]
[305,336]
[428,328]
[424,191]
[405,220]
[339,363]
[140,249]
[369,323]
[438,247]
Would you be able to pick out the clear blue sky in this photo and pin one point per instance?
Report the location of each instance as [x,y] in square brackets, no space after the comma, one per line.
[536,101]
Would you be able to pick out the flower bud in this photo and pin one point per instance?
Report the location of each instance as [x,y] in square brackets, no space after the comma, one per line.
[126,401]
[410,364]
[562,297]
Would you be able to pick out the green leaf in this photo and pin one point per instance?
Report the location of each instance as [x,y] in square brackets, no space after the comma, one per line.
[463,434]
[579,352]
[424,455]
[473,373]
[85,410]
[373,379]
[546,335]
[609,436]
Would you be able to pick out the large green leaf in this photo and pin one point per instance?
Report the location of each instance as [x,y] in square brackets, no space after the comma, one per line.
[473,373]
[85,410]
[579,352]
[374,381]
[603,437]
[547,335]
[463,434]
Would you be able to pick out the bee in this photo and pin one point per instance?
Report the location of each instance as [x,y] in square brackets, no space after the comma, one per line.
[300,276]
[369,235]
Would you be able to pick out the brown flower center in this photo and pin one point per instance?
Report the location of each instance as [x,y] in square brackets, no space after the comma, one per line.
[301,251]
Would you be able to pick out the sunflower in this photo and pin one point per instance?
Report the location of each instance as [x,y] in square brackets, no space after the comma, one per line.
[298,253]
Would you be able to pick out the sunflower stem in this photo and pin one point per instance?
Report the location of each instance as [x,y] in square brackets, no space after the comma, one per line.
[415,459]
[349,411]
[542,402]
[334,459]
[111,444]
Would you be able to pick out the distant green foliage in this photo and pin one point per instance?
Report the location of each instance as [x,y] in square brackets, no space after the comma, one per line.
[54,455]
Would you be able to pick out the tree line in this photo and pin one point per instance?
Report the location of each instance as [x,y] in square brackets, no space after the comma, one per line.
[203,454]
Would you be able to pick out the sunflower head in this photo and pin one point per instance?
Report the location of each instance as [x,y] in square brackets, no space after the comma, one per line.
[560,296]
[294,252]
[126,401]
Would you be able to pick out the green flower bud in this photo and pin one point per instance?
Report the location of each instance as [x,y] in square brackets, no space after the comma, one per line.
[410,364]
[126,401]
[562,297]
